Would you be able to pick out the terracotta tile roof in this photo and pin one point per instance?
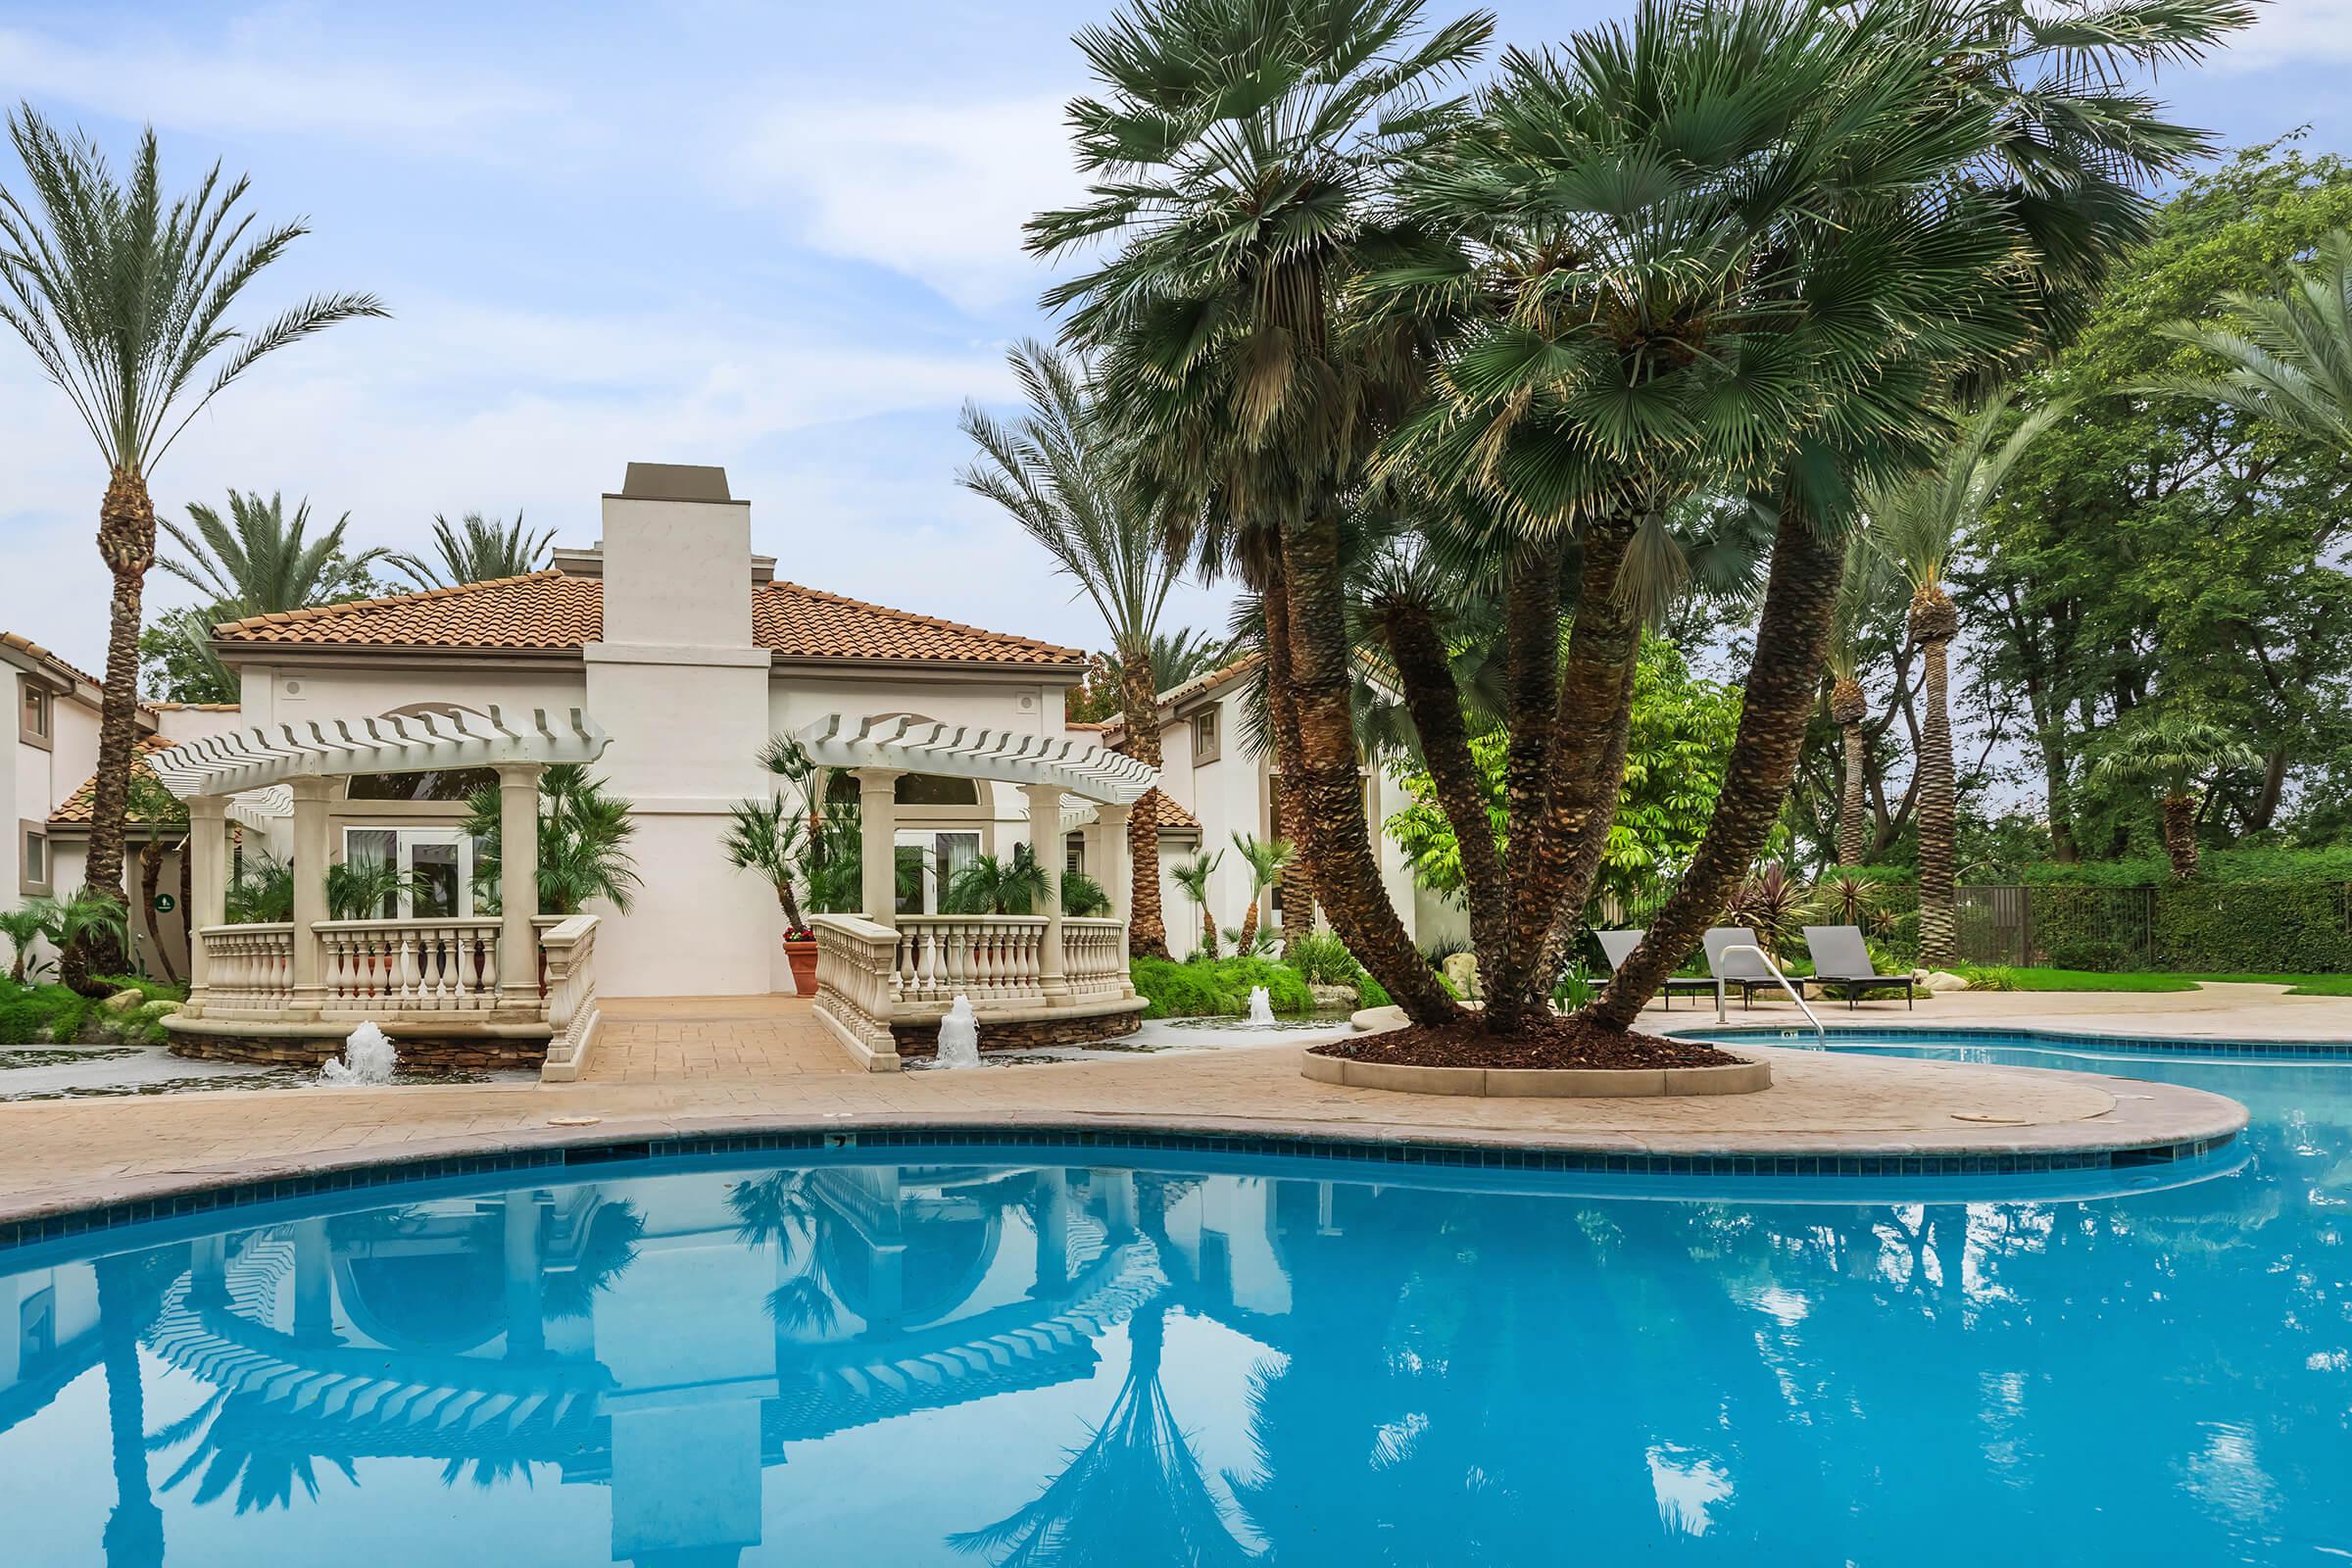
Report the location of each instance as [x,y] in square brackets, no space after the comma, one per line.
[1175,696]
[800,622]
[74,810]
[1170,814]
[549,611]
[32,650]
[193,707]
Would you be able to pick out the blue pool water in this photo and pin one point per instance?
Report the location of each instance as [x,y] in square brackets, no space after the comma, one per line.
[959,1359]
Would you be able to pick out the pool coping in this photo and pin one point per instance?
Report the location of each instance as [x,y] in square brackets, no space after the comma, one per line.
[2157,1125]
[2307,1049]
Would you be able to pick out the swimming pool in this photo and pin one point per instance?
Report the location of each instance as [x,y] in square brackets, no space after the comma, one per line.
[963,1353]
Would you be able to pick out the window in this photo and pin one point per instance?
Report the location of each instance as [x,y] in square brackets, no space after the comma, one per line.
[1204,736]
[32,867]
[32,716]
[435,866]
[450,784]
[912,789]
[927,867]
[1073,853]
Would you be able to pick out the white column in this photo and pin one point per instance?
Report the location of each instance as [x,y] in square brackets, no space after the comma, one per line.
[519,885]
[309,888]
[208,885]
[878,825]
[1119,881]
[1044,841]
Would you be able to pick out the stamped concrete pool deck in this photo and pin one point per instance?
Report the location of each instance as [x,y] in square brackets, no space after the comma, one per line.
[687,1066]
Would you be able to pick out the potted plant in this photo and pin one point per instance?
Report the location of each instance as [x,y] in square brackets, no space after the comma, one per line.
[771,837]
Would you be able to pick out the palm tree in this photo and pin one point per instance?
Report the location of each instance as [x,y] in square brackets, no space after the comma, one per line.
[86,920]
[2173,754]
[257,563]
[584,833]
[1265,858]
[2288,353]
[1237,157]
[122,295]
[24,926]
[769,837]
[1859,602]
[1176,658]
[1916,524]
[1056,469]
[477,549]
[1192,876]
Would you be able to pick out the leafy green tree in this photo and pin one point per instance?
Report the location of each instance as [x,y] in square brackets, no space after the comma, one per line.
[258,561]
[476,549]
[1058,470]
[1679,734]
[2170,752]
[123,296]
[2173,536]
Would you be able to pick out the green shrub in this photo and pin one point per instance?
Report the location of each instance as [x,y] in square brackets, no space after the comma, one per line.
[1990,977]
[2205,927]
[40,1015]
[1369,992]
[1200,988]
[1321,959]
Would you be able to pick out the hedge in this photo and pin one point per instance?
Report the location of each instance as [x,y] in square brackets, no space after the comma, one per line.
[1206,987]
[2194,927]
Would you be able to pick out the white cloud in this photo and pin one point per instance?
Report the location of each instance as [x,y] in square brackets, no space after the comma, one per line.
[2292,32]
[937,192]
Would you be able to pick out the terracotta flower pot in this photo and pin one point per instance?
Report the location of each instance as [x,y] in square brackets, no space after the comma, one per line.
[802,955]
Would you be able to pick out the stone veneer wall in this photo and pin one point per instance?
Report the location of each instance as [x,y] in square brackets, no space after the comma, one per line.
[922,1038]
[415,1055]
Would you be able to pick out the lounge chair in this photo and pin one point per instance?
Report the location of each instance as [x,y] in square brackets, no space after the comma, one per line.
[1742,970]
[1840,958]
[1619,946]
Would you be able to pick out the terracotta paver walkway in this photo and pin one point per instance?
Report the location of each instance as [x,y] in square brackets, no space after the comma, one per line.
[685,1066]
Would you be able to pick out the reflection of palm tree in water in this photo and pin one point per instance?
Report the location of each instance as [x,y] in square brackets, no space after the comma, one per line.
[1134,1493]
[126,1299]
[775,1209]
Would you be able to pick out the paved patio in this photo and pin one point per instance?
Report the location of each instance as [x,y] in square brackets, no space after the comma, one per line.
[717,1064]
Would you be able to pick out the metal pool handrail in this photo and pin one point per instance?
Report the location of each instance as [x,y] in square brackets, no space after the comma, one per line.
[1794,995]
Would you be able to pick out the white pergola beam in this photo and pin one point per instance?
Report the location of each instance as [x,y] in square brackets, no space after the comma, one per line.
[957,751]
[256,758]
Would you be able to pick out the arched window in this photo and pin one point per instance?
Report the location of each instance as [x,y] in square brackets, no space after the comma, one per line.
[912,789]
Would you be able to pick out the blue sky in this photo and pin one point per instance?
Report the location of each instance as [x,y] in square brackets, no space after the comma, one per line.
[781,238]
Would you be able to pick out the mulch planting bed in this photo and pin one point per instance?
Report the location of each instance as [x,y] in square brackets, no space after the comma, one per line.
[1560,1042]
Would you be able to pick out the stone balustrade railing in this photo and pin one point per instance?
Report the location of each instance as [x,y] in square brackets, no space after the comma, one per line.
[988,958]
[429,966]
[249,965]
[858,981]
[567,968]
[1093,956]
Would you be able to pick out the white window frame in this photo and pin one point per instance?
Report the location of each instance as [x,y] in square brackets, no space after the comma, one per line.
[405,841]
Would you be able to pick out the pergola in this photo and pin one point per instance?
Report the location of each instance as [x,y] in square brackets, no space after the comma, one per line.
[889,968]
[314,968]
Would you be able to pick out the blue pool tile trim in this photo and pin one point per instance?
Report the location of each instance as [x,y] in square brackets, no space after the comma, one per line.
[2150,1045]
[1463,1156]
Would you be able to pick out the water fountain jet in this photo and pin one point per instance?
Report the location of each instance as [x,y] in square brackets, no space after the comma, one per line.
[367,1058]
[959,1035]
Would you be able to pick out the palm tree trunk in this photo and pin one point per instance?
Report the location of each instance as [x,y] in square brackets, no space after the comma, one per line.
[1434,704]
[1139,708]
[135,1531]
[1250,925]
[1784,678]
[127,543]
[1208,930]
[1938,937]
[2181,834]
[1329,787]
[1537,857]
[1849,803]
[151,876]
[1298,876]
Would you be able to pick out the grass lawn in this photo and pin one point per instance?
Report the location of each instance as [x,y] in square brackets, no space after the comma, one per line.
[2304,985]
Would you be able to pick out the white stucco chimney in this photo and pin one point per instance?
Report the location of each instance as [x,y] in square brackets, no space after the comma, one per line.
[682,688]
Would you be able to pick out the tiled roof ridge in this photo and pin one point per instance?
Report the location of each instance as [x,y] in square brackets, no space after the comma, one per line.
[1075,653]
[26,645]
[289,617]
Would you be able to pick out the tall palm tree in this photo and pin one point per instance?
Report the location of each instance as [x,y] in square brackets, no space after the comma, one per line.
[1057,470]
[1859,602]
[123,294]
[477,549]
[1265,859]
[1916,525]
[2173,754]
[1237,155]
[1175,658]
[2287,355]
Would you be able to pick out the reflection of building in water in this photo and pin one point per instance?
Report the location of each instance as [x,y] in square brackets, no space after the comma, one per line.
[543,1328]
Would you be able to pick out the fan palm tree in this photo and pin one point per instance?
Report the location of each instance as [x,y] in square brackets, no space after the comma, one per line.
[2172,754]
[1057,470]
[987,885]
[1265,859]
[476,549]
[1237,155]
[1192,876]
[1916,525]
[584,833]
[24,926]
[123,296]
[769,837]
[2287,354]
